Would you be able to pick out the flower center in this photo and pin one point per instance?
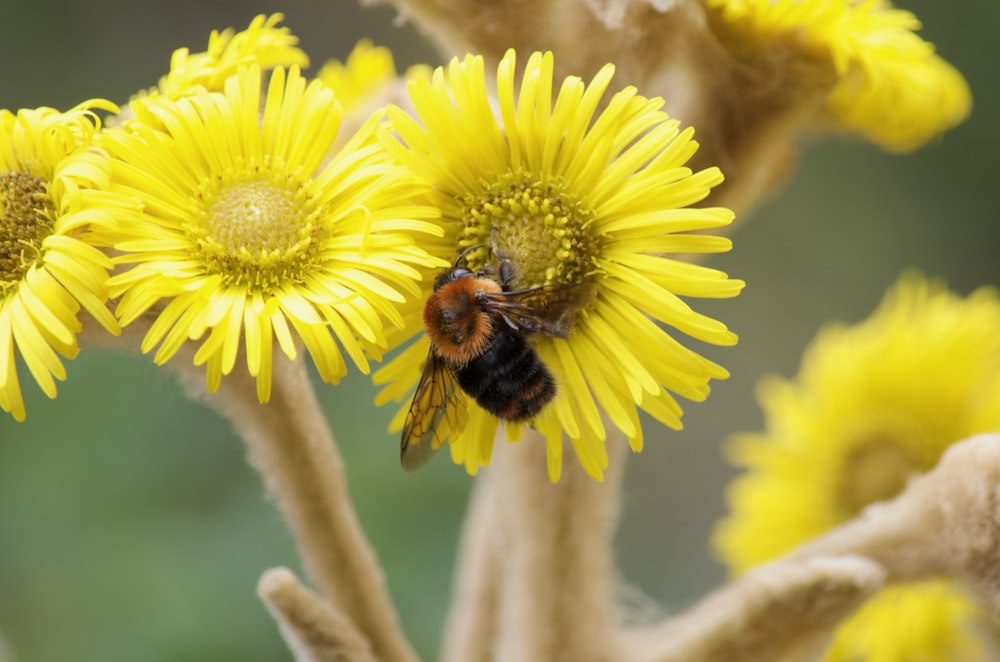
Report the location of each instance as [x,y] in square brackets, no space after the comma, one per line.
[26,218]
[542,229]
[874,472]
[256,232]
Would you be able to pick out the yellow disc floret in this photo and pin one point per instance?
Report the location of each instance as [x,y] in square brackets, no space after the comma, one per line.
[542,227]
[26,219]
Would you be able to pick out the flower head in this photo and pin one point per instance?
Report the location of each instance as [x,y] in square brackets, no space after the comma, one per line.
[888,83]
[572,194]
[873,404]
[262,44]
[53,195]
[367,70]
[367,80]
[253,231]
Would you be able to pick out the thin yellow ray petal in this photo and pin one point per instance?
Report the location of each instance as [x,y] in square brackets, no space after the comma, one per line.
[253,328]
[265,370]
[233,325]
[8,368]
[283,334]
[42,362]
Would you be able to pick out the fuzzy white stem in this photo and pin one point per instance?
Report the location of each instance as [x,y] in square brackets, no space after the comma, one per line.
[471,627]
[315,631]
[554,546]
[945,523]
[290,444]
[782,611]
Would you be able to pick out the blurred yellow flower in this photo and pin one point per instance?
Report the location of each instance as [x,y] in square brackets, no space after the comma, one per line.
[888,85]
[571,193]
[873,403]
[366,69]
[53,183]
[252,227]
[367,80]
[262,44]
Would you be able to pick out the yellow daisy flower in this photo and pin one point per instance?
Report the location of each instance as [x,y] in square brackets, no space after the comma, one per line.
[251,229]
[889,85]
[367,69]
[262,44]
[928,621]
[53,185]
[872,404]
[572,194]
[367,80]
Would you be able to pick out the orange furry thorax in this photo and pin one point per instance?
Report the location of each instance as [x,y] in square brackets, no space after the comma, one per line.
[458,327]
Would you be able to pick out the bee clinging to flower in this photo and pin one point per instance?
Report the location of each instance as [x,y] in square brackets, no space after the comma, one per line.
[478,327]
[574,189]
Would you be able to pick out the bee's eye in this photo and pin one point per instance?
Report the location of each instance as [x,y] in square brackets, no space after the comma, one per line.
[450,276]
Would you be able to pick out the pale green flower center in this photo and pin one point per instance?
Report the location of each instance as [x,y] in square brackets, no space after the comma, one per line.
[874,472]
[256,232]
[255,216]
[26,218]
[541,227]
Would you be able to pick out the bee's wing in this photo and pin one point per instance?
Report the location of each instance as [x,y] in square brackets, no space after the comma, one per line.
[547,309]
[436,413]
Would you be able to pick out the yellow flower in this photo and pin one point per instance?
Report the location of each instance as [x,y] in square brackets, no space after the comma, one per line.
[367,69]
[889,85]
[253,230]
[262,44]
[572,194]
[367,80]
[872,404]
[926,621]
[53,193]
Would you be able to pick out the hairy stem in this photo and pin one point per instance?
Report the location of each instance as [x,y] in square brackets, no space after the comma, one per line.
[471,628]
[782,611]
[315,631]
[946,523]
[554,546]
[290,444]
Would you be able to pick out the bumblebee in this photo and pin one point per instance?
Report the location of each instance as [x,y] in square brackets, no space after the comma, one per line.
[478,329]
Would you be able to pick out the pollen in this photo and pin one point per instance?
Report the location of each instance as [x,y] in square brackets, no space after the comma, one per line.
[26,219]
[256,232]
[539,225]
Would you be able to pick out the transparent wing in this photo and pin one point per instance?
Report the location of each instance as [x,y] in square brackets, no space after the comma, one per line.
[547,309]
[437,413]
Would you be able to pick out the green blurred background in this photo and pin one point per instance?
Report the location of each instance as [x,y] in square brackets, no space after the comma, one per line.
[131,527]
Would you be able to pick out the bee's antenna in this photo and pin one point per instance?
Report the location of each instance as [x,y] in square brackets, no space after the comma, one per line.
[468,250]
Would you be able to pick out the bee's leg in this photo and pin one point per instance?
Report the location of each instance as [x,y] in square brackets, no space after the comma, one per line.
[508,273]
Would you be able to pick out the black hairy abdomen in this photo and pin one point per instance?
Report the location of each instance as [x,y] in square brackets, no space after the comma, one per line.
[508,379]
